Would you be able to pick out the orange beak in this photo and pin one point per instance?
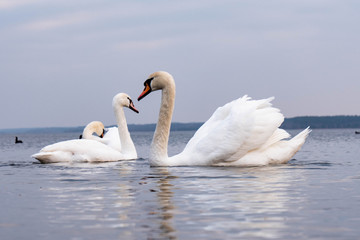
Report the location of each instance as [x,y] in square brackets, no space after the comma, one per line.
[146,91]
[132,107]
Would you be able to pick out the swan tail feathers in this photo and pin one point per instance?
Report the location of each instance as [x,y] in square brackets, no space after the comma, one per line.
[300,138]
[265,103]
[40,155]
[294,145]
[44,157]
[277,136]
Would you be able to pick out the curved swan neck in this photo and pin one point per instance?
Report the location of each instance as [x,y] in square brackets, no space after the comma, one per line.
[127,146]
[158,150]
[88,133]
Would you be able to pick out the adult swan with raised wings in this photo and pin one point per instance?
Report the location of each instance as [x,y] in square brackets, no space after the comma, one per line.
[243,132]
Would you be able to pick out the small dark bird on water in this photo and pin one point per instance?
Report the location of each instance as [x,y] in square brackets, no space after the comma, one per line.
[17,140]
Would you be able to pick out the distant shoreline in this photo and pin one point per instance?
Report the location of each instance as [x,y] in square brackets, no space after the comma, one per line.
[315,122]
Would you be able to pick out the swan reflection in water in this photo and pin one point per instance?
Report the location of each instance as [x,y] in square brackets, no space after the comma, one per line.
[182,202]
[163,210]
[208,202]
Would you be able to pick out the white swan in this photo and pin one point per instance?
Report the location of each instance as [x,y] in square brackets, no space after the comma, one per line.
[116,137]
[92,150]
[126,146]
[111,137]
[91,128]
[108,136]
[243,132]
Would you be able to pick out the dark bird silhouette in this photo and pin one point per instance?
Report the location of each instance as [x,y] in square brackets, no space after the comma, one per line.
[17,140]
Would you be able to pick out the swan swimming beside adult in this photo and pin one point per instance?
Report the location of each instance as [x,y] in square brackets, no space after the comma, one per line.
[243,132]
[108,136]
[93,150]
[96,127]
[121,134]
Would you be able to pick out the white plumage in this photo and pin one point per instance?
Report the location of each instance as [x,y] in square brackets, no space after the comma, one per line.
[243,132]
[112,139]
[94,148]
[109,137]
[78,150]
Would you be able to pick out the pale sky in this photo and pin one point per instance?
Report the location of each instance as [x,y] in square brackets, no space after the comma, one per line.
[62,61]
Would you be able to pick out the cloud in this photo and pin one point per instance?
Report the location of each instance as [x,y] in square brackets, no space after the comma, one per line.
[70,14]
[60,21]
[246,44]
[146,45]
[9,4]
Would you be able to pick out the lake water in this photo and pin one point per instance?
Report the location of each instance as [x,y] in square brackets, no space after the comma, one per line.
[315,196]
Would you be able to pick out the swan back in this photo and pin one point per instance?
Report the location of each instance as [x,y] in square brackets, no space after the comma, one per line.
[233,130]
[112,139]
[78,150]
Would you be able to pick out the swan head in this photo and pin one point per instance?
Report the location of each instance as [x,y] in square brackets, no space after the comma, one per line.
[124,100]
[94,127]
[157,81]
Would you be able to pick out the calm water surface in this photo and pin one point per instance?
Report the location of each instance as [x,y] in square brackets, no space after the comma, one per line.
[315,196]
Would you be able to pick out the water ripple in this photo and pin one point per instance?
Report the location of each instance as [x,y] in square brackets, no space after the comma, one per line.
[314,196]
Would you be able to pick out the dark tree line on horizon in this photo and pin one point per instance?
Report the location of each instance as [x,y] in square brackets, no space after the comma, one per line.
[322,122]
[290,123]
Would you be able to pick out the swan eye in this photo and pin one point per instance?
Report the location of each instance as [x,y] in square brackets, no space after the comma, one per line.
[130,101]
[148,82]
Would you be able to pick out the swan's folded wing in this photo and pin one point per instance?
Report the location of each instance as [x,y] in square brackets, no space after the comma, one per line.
[264,130]
[75,145]
[78,150]
[233,130]
[112,139]
[220,136]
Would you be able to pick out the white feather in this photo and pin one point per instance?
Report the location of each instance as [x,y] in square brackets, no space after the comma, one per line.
[116,145]
[78,150]
[243,132]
